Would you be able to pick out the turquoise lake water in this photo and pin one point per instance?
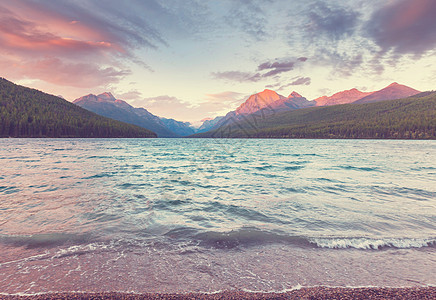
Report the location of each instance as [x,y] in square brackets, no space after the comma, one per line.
[177,215]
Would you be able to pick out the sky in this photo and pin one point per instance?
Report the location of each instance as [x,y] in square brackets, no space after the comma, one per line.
[196,59]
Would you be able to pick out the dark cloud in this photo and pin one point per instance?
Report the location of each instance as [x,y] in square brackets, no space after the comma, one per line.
[376,64]
[404,26]
[350,38]
[294,81]
[249,16]
[276,67]
[269,69]
[343,64]
[329,33]
[301,81]
[334,23]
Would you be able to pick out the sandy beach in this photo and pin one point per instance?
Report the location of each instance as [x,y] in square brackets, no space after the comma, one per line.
[304,293]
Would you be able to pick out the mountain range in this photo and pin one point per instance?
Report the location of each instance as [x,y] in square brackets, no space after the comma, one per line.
[108,106]
[255,110]
[270,103]
[407,118]
[259,105]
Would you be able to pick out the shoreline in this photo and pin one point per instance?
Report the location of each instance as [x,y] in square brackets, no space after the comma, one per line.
[302,293]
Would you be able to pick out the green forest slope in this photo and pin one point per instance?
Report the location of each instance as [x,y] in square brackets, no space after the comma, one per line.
[26,112]
[409,118]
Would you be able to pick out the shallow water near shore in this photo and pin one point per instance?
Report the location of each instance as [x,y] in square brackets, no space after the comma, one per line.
[182,215]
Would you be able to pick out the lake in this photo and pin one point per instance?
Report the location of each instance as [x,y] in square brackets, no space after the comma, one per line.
[178,215]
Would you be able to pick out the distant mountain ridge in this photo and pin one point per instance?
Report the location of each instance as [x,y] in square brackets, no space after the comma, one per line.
[107,105]
[208,124]
[406,118]
[343,97]
[178,127]
[391,92]
[26,112]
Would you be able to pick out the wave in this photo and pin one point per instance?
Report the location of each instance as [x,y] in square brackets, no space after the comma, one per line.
[7,190]
[247,237]
[241,238]
[373,244]
[63,252]
[264,167]
[100,175]
[355,168]
[244,237]
[133,186]
[291,168]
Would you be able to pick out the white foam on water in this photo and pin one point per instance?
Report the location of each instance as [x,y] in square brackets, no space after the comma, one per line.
[294,288]
[30,258]
[76,249]
[369,243]
[283,291]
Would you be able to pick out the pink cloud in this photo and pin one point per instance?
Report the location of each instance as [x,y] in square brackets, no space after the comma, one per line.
[66,44]
[30,39]
[56,71]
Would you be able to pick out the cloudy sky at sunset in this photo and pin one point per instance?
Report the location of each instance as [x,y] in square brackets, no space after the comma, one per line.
[193,59]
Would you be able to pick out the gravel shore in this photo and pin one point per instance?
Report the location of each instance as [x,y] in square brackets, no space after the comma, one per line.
[304,293]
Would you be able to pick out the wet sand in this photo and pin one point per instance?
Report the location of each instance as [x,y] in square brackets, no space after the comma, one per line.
[304,293]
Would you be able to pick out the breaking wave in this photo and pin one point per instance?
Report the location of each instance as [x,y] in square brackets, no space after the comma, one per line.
[373,244]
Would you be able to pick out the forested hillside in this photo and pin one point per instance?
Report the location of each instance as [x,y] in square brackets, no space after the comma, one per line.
[409,118]
[26,112]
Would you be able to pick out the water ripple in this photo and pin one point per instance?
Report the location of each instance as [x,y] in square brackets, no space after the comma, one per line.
[143,187]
